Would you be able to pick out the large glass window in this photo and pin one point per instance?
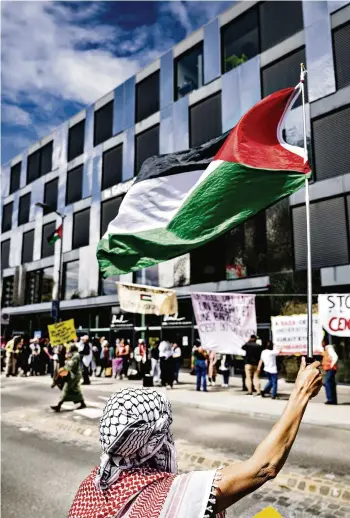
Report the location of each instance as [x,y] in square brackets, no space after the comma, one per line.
[39,162]
[208,262]
[50,196]
[109,210]
[112,168]
[147,97]
[32,291]
[27,247]
[283,73]
[76,136]
[150,276]
[81,228]
[103,126]
[208,110]
[331,144]
[74,189]
[240,40]
[108,286]
[47,249]
[7,217]
[341,45]
[70,280]
[5,254]
[147,145]
[46,284]
[278,21]
[15,177]
[24,208]
[189,72]
[7,291]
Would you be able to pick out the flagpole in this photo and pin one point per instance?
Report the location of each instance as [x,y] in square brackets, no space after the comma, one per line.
[308,226]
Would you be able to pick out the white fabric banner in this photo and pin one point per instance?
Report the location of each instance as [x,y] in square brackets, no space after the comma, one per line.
[225,320]
[334,311]
[147,300]
[289,334]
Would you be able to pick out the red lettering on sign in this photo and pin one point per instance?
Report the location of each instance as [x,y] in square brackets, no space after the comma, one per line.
[339,324]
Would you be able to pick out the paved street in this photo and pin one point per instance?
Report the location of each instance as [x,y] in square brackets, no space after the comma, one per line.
[45,456]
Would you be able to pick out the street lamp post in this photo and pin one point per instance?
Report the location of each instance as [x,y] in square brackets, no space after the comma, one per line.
[56,307]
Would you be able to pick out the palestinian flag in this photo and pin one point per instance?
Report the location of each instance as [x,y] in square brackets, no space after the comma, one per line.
[55,235]
[183,200]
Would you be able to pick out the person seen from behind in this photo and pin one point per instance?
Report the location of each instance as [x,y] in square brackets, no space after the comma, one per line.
[71,372]
[137,475]
[329,366]
[177,353]
[212,369]
[166,364]
[251,360]
[155,365]
[86,358]
[268,359]
[201,357]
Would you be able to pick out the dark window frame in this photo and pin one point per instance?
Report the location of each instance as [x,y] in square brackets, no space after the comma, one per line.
[20,220]
[336,29]
[260,31]
[109,151]
[54,206]
[53,224]
[104,203]
[64,278]
[14,169]
[9,279]
[198,45]
[71,172]
[39,154]
[9,252]
[193,106]
[139,96]
[136,169]
[31,232]
[87,210]
[3,228]
[80,146]
[104,107]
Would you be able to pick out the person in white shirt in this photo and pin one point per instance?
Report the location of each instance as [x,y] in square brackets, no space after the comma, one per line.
[177,361]
[166,364]
[268,359]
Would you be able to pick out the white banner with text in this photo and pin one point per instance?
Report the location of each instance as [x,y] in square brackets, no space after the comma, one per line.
[147,300]
[289,334]
[334,311]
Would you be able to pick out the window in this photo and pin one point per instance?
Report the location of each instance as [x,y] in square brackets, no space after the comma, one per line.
[32,290]
[147,97]
[47,248]
[76,135]
[70,280]
[7,291]
[210,111]
[108,285]
[147,145]
[7,217]
[278,21]
[103,126]
[329,240]
[5,254]
[74,190]
[27,247]
[240,40]
[39,163]
[109,210]
[284,73]
[46,284]
[81,228]
[341,45]
[15,178]
[150,277]
[208,262]
[189,72]
[331,144]
[23,209]
[112,168]
[50,196]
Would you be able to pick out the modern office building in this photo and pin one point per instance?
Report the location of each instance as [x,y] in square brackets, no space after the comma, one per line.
[192,93]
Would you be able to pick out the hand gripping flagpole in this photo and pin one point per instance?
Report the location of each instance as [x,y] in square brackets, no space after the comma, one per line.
[308,228]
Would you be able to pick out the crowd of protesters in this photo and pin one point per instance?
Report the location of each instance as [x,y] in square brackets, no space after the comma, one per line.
[161,361]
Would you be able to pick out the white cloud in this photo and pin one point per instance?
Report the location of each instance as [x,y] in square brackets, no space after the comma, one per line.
[14,115]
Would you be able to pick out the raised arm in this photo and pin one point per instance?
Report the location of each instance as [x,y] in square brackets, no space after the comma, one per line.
[269,457]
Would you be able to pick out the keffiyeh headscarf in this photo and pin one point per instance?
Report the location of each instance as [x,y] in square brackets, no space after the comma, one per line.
[135,432]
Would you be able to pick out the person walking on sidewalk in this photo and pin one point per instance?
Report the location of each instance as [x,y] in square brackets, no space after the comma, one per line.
[329,365]
[251,360]
[225,365]
[201,357]
[86,358]
[137,474]
[72,374]
[155,366]
[177,361]
[166,364]
[268,359]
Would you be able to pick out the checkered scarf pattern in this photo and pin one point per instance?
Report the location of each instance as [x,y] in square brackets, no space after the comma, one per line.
[135,432]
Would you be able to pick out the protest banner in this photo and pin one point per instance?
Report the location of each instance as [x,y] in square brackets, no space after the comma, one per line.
[62,332]
[334,311]
[289,334]
[147,300]
[225,320]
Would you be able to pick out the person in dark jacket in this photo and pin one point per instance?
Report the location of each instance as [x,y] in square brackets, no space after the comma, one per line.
[251,361]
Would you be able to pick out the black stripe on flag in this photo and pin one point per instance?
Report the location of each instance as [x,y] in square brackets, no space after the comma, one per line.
[182,161]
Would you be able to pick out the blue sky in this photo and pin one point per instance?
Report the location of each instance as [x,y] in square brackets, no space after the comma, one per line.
[58,57]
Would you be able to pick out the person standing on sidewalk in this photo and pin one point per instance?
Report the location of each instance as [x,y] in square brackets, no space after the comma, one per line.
[268,359]
[225,365]
[177,361]
[86,358]
[155,367]
[251,360]
[329,365]
[201,357]
[212,370]
[166,363]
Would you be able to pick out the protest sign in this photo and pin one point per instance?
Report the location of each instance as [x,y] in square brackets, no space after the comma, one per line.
[334,311]
[147,300]
[289,334]
[62,333]
[225,321]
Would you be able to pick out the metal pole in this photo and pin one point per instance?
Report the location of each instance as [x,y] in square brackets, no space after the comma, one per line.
[308,228]
[59,288]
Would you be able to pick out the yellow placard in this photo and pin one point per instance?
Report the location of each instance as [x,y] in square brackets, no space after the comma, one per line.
[63,332]
[268,512]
